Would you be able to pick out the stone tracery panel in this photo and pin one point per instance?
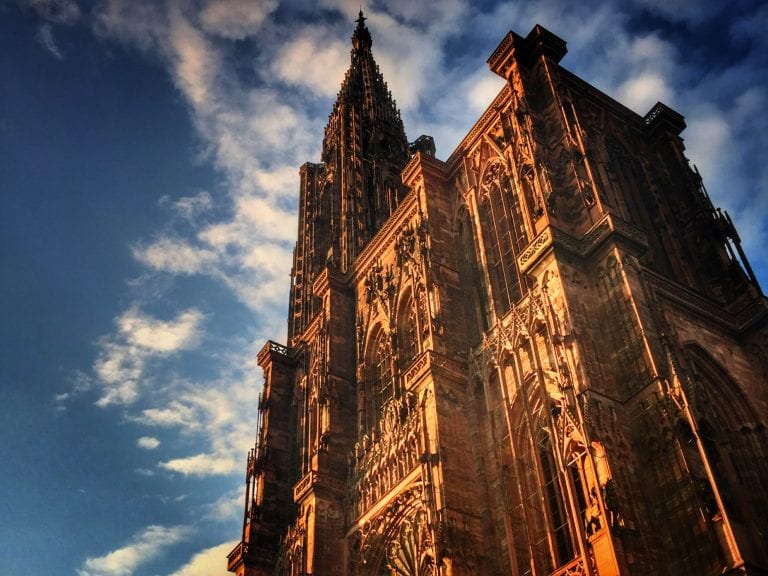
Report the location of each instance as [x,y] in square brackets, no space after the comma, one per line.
[382,459]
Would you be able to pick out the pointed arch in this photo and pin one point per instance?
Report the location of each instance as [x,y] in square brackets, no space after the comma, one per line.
[467,249]
[550,481]
[408,330]
[379,382]
[504,235]
[623,345]
[399,540]
[733,437]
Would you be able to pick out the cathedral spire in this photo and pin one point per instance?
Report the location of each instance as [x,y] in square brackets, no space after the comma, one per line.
[364,150]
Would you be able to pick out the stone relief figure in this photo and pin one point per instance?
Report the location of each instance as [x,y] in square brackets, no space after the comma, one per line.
[592,516]
[605,482]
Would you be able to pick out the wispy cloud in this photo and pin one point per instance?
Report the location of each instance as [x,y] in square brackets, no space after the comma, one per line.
[143,547]
[123,356]
[202,465]
[148,443]
[216,413]
[228,508]
[176,256]
[234,19]
[46,39]
[311,58]
[65,12]
[53,13]
[189,207]
[209,562]
[142,23]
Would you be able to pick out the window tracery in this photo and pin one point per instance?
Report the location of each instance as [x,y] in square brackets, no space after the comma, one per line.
[733,439]
[379,377]
[624,342]
[477,304]
[504,235]
[408,332]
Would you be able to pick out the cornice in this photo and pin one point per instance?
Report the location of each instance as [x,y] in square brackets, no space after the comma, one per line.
[608,226]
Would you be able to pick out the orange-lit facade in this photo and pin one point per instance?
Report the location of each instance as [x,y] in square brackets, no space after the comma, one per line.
[544,355]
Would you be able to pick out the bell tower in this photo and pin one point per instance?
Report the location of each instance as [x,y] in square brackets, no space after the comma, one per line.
[346,199]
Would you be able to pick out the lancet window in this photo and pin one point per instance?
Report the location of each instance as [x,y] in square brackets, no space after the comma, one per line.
[546,485]
[562,544]
[624,346]
[504,235]
[735,442]
[477,304]
[627,176]
[380,384]
[408,332]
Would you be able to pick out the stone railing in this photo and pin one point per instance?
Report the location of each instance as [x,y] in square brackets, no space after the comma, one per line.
[250,554]
[574,568]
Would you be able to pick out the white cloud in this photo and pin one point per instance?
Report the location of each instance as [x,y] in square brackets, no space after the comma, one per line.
[148,442]
[270,220]
[189,207]
[235,19]
[202,465]
[314,59]
[209,562]
[159,336]
[123,356]
[482,88]
[143,23]
[60,401]
[118,368]
[143,547]
[175,256]
[641,92]
[196,62]
[173,414]
[227,508]
[218,413]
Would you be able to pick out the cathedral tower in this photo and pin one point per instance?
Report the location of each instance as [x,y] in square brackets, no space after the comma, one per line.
[545,355]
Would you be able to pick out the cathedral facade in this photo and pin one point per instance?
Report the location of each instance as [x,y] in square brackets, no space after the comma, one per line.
[545,355]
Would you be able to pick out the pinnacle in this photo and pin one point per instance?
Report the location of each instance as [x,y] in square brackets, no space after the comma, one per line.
[361,39]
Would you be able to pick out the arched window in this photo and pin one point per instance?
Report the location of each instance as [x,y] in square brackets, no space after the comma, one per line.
[563,549]
[735,442]
[545,532]
[476,306]
[380,384]
[407,332]
[623,345]
[504,236]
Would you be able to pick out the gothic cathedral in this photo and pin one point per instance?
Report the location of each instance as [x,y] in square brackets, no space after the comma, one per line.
[545,355]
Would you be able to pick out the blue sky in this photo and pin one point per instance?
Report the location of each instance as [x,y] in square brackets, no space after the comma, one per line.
[149,155]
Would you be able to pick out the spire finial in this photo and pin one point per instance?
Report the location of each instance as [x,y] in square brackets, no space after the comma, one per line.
[361,39]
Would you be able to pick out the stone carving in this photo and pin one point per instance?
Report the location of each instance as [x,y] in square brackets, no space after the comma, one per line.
[411,553]
[381,459]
